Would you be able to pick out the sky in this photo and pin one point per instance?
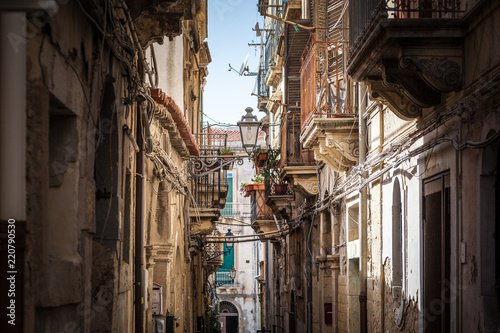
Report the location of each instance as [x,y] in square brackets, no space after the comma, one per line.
[227,94]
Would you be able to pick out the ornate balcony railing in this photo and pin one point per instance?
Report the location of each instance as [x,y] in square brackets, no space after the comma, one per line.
[292,152]
[235,209]
[214,252]
[324,85]
[208,180]
[223,278]
[260,211]
[364,14]
[210,143]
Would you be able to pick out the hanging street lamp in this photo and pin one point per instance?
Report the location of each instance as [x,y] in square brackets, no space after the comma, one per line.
[229,240]
[249,130]
[232,273]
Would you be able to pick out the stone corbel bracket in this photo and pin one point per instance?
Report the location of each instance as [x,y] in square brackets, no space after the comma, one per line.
[410,84]
[442,74]
[334,141]
[202,221]
[281,205]
[395,100]
[302,179]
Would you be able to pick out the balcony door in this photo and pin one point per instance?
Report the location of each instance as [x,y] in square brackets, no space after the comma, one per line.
[436,253]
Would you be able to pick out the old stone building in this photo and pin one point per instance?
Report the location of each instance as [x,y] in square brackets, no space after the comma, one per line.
[391,226]
[101,115]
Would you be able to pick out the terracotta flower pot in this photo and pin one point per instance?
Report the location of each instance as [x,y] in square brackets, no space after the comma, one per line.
[280,189]
[226,159]
[261,159]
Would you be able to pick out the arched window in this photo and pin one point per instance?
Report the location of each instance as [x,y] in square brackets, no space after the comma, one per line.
[397,236]
[227,307]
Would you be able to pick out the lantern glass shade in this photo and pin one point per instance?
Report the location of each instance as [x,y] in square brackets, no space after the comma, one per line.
[232,273]
[249,130]
[229,240]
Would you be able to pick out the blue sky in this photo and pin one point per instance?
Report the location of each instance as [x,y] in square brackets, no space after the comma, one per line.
[227,94]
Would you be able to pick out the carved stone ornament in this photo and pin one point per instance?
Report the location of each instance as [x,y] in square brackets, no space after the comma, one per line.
[334,154]
[334,141]
[442,74]
[202,221]
[153,25]
[306,186]
[303,179]
[281,205]
[411,85]
[395,100]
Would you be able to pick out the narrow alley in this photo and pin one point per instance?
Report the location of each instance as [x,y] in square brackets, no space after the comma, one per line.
[344,178]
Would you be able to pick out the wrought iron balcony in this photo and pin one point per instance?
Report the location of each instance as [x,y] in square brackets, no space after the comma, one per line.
[324,85]
[364,14]
[259,209]
[223,278]
[235,209]
[328,123]
[211,142]
[409,51]
[292,152]
[297,163]
[280,197]
[215,252]
[209,187]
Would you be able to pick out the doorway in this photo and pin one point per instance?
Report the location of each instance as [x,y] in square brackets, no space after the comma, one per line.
[228,317]
[436,253]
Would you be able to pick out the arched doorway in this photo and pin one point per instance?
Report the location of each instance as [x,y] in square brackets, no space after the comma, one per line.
[228,317]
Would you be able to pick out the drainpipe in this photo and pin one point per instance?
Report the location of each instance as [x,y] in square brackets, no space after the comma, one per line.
[139,227]
[362,211]
[267,294]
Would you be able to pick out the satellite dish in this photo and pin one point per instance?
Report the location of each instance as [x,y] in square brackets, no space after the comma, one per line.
[244,65]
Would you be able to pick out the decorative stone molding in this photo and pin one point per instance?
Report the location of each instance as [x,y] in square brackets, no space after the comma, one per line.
[159,253]
[181,122]
[274,100]
[412,61]
[411,85]
[202,220]
[273,76]
[281,205]
[230,290]
[302,179]
[395,100]
[442,74]
[153,25]
[329,262]
[334,141]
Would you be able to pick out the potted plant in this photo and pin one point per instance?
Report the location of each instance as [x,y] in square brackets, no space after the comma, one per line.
[246,189]
[271,166]
[260,157]
[226,152]
[280,188]
[258,182]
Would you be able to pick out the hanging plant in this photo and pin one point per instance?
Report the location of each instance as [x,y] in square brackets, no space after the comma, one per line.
[212,320]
